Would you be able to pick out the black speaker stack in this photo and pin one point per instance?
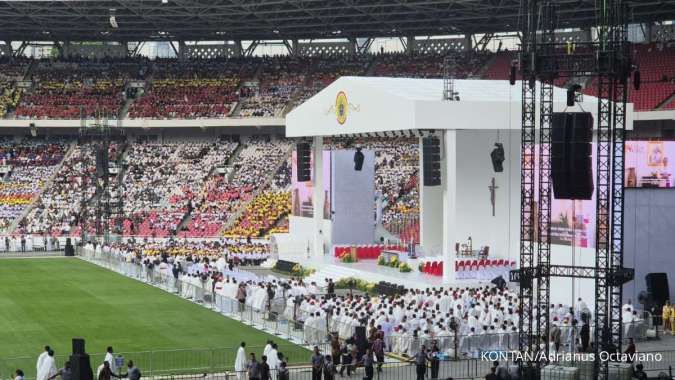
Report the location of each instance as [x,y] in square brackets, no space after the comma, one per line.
[657,287]
[571,163]
[361,340]
[431,160]
[304,157]
[69,250]
[79,362]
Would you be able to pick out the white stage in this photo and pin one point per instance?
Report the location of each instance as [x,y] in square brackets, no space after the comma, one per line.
[488,111]
[331,267]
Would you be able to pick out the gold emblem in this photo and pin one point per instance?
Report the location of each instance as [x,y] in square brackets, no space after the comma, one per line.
[342,107]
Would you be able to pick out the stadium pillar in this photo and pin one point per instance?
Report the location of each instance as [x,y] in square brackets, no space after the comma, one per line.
[431,210]
[468,42]
[411,45]
[449,190]
[318,197]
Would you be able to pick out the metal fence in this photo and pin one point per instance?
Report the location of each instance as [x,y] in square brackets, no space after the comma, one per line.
[271,317]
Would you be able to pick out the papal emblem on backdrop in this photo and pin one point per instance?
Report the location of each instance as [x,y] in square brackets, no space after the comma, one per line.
[341,107]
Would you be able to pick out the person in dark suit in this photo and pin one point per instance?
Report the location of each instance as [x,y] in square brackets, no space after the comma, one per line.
[492,375]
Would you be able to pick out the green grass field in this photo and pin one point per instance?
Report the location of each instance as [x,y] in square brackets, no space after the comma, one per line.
[50,301]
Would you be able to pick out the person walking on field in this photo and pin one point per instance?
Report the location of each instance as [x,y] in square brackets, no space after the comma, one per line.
[240,362]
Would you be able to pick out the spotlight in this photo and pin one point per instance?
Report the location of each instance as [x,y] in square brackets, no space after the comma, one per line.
[497,156]
[358,160]
[572,94]
[512,73]
[113,20]
[33,129]
[636,79]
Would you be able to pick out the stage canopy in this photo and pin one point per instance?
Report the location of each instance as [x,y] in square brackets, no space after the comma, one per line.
[473,200]
[353,105]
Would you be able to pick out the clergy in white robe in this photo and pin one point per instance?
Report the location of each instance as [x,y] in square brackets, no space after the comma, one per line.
[240,362]
[273,361]
[42,358]
[47,367]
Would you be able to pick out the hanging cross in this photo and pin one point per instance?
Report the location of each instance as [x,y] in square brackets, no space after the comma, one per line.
[493,187]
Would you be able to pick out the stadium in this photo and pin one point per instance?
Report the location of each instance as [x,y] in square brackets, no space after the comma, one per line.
[265,189]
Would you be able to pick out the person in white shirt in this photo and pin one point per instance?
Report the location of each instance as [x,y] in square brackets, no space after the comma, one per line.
[47,367]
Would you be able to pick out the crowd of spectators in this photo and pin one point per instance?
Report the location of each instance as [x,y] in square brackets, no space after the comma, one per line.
[326,71]
[280,79]
[11,70]
[31,163]
[200,88]
[162,181]
[221,195]
[71,89]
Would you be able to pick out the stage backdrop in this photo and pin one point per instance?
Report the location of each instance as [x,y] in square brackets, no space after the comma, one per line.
[648,164]
[302,191]
[353,194]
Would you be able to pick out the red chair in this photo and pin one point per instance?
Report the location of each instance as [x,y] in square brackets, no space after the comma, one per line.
[434,268]
[440,268]
[427,267]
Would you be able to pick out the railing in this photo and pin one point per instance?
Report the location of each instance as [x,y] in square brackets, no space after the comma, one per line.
[278,318]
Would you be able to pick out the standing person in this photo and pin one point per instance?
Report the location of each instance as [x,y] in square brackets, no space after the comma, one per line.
[105,373]
[241,296]
[47,367]
[585,334]
[240,362]
[328,368]
[421,359]
[378,350]
[65,372]
[19,375]
[435,360]
[264,369]
[253,368]
[23,243]
[133,373]
[317,364]
[368,364]
[665,317]
[331,287]
[41,358]
[283,372]
[492,375]
[110,358]
[346,359]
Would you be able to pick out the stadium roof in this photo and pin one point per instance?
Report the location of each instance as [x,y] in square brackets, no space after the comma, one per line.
[142,20]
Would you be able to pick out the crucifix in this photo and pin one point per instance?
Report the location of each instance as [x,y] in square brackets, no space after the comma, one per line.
[493,187]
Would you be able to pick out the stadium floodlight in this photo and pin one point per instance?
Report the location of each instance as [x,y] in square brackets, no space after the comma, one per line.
[165,1]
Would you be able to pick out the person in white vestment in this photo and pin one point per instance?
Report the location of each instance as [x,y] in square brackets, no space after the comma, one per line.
[240,362]
[42,357]
[47,367]
[273,361]
[110,358]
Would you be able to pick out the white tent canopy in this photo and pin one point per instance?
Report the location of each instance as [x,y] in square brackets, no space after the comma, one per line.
[396,104]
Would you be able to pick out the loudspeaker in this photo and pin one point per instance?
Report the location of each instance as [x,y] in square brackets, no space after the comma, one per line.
[431,160]
[304,157]
[497,156]
[78,346]
[636,80]
[657,287]
[358,160]
[571,150]
[101,162]
[69,250]
[79,362]
[512,74]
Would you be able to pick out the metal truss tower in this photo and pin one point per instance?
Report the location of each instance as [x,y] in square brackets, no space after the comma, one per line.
[542,59]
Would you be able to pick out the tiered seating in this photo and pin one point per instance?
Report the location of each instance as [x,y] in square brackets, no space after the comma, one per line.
[192,89]
[33,162]
[71,89]
[657,69]
[427,66]
[500,66]
[163,180]
[262,214]
[280,79]
[325,71]
[219,197]
[11,70]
